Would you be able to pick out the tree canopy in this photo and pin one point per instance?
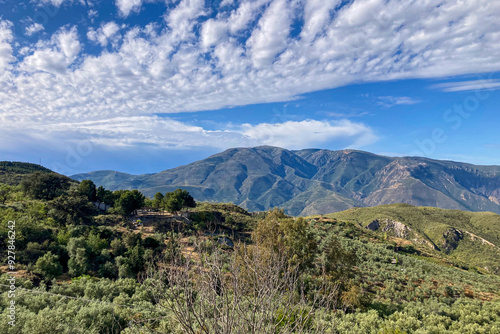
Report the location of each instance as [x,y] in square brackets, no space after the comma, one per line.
[45,186]
[4,193]
[177,200]
[129,201]
[105,196]
[158,200]
[87,188]
[71,209]
[48,265]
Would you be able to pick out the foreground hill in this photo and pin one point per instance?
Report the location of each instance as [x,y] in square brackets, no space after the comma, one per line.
[317,181]
[387,269]
[99,274]
[12,172]
[472,238]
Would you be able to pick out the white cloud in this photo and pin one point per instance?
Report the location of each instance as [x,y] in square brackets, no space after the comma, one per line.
[153,71]
[92,14]
[33,28]
[226,3]
[53,56]
[58,3]
[317,14]
[163,132]
[271,36]
[212,32]
[217,30]
[486,84]
[127,6]
[104,34]
[310,133]
[241,18]
[68,43]
[182,18]
[6,57]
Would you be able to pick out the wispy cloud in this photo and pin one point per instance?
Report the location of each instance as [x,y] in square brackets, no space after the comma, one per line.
[33,28]
[345,115]
[463,86]
[391,101]
[58,3]
[167,133]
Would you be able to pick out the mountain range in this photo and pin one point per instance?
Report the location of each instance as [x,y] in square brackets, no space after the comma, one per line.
[318,181]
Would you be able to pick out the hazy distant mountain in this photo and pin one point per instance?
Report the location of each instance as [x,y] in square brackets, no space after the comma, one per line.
[316,181]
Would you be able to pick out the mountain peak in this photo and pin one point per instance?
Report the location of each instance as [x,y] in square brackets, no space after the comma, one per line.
[313,181]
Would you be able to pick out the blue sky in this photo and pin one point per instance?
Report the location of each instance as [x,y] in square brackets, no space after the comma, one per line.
[145,85]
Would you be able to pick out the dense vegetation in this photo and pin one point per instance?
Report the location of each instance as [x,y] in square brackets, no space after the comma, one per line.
[89,260]
[11,173]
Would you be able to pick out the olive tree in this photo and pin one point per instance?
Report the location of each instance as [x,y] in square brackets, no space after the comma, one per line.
[48,266]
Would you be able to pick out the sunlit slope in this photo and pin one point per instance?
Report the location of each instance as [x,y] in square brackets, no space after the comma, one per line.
[472,237]
[319,181]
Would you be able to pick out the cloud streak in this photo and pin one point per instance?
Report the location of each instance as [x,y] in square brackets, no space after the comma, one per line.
[168,133]
[464,86]
[391,101]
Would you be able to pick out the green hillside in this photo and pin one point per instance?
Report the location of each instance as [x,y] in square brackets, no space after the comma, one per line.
[11,172]
[471,237]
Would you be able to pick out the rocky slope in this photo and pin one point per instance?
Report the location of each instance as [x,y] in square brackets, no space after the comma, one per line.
[317,181]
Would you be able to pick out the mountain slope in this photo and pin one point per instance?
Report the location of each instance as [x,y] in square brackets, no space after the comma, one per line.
[317,181]
[470,237]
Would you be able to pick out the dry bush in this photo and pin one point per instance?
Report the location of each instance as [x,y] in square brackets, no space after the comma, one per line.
[252,290]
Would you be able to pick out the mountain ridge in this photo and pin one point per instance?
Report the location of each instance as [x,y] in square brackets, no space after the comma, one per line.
[318,181]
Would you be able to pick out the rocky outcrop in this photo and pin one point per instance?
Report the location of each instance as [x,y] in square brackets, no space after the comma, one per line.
[399,229]
[225,242]
[451,238]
